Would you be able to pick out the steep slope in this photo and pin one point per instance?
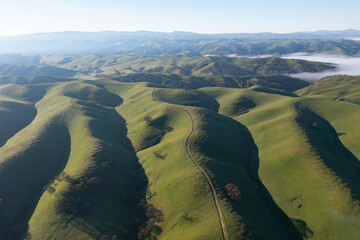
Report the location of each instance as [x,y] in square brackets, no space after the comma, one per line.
[132,157]
[175,186]
[17,108]
[295,169]
[103,180]
[344,88]
[193,189]
[336,100]
[82,167]
[343,117]
[28,161]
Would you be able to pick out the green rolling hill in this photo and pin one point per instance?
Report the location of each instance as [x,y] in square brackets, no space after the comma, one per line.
[145,43]
[147,155]
[100,66]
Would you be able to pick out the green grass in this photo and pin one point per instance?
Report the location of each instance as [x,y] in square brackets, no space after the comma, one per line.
[95,133]
[198,66]
[344,88]
[175,184]
[173,172]
[295,173]
[295,180]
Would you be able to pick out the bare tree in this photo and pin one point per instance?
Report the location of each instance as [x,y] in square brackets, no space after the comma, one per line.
[186,216]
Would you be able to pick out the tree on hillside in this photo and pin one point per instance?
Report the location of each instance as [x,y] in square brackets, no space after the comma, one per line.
[233,192]
[158,154]
[315,125]
[147,119]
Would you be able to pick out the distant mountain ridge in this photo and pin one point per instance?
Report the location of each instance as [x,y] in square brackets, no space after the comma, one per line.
[145,43]
[320,34]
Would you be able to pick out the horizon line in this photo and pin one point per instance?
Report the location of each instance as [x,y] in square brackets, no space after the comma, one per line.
[177,31]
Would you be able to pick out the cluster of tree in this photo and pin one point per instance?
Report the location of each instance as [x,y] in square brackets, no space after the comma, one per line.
[233,192]
[73,201]
[106,164]
[147,119]
[150,229]
[107,237]
[63,176]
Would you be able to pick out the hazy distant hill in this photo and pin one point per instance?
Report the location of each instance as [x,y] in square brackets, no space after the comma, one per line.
[156,43]
[186,66]
[34,70]
[102,66]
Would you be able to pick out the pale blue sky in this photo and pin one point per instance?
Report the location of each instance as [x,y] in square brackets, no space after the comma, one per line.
[204,16]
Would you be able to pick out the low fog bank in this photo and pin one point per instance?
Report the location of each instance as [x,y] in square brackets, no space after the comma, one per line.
[344,65]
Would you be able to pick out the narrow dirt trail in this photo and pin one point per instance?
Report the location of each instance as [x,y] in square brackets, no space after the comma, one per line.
[208,180]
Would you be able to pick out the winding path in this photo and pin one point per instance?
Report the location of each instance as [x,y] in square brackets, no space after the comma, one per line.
[213,192]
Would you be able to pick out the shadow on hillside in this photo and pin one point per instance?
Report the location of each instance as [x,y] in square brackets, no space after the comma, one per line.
[16,117]
[226,149]
[325,140]
[113,207]
[29,172]
[303,229]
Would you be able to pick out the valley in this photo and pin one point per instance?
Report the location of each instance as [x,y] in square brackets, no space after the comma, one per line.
[107,142]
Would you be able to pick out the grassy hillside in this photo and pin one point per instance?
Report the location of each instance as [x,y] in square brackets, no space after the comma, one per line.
[297,164]
[31,80]
[17,109]
[98,66]
[343,88]
[34,70]
[110,158]
[71,137]
[277,83]
[193,192]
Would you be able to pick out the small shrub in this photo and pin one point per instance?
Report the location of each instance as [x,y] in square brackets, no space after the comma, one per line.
[50,190]
[158,154]
[315,125]
[153,212]
[106,164]
[95,181]
[147,119]
[187,217]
